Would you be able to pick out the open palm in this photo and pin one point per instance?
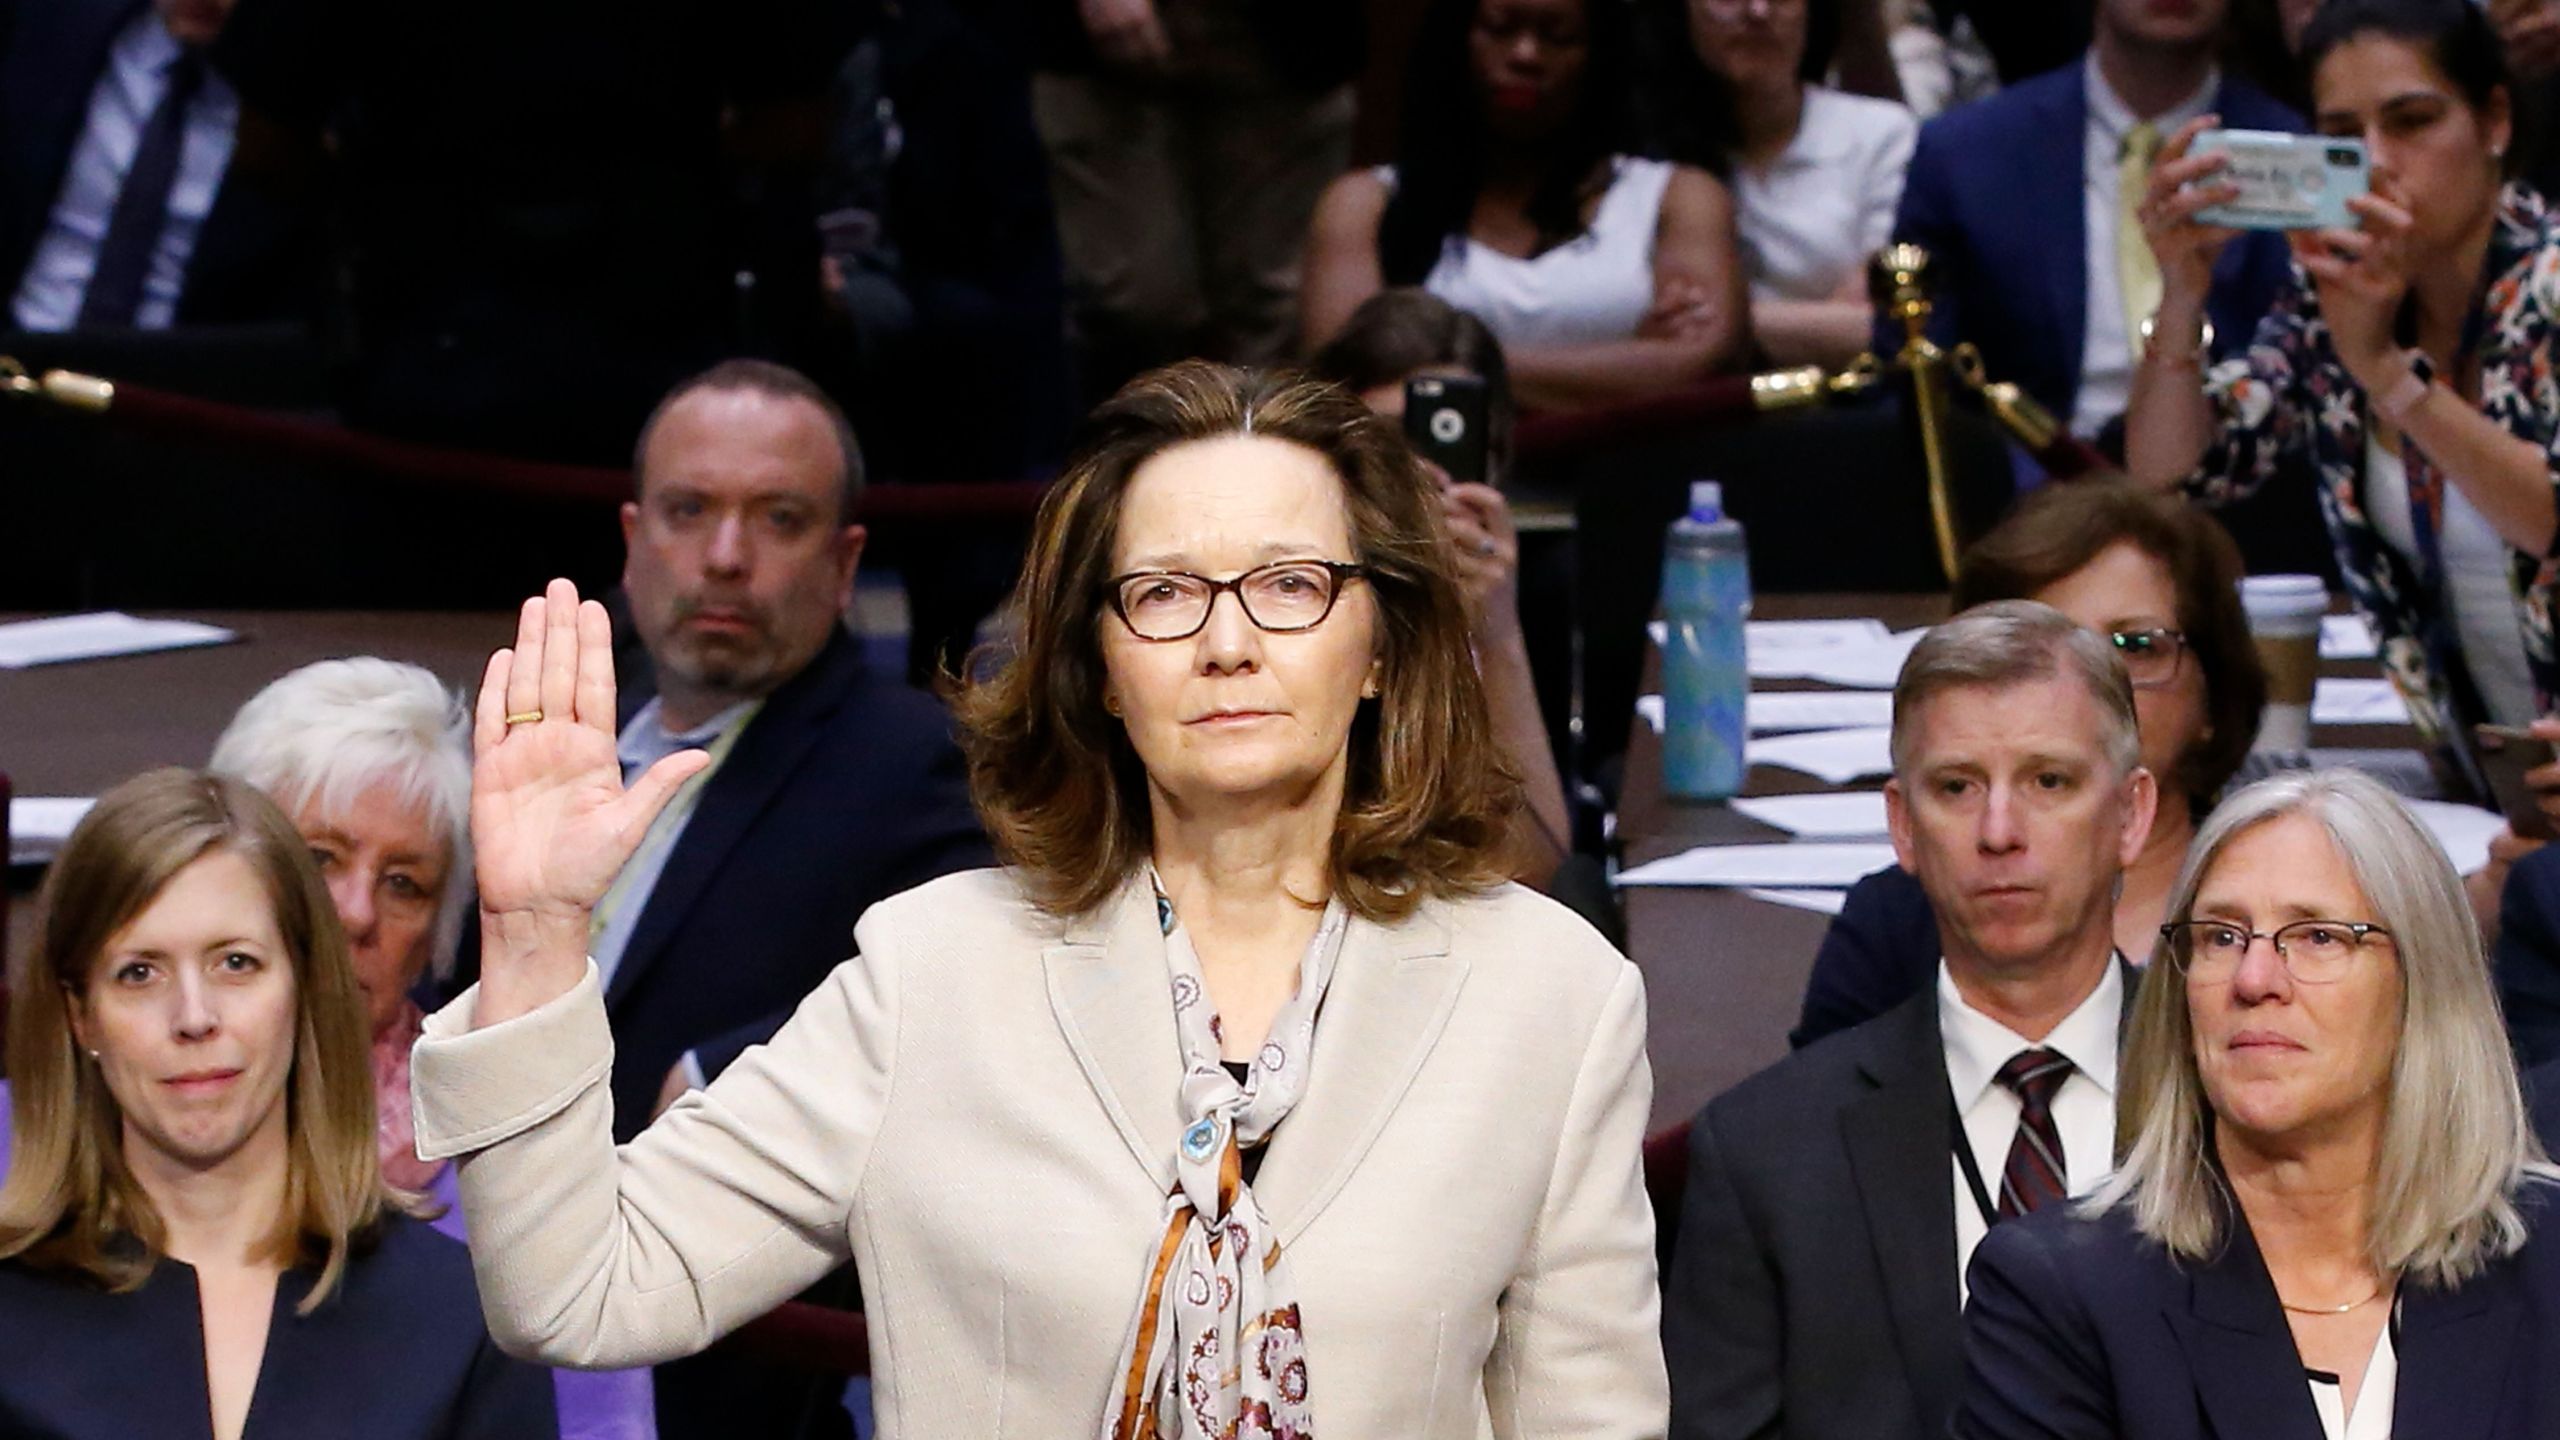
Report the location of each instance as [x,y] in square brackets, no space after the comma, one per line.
[551,822]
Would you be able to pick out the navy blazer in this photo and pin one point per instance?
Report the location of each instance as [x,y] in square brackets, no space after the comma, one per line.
[1812,1291]
[1880,950]
[398,1353]
[257,255]
[1995,191]
[2083,1327]
[2527,959]
[845,789]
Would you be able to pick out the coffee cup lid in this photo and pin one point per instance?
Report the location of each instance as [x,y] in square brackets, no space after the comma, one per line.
[2284,587]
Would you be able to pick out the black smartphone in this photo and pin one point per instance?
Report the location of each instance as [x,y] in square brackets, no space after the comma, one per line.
[1444,418]
[2505,753]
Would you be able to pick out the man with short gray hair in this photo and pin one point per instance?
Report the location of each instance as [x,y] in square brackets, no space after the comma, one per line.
[1833,1199]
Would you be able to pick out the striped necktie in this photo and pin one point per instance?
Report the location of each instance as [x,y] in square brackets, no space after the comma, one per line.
[2034,1173]
[2137,270]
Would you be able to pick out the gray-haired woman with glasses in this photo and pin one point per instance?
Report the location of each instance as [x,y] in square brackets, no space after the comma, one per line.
[2330,1219]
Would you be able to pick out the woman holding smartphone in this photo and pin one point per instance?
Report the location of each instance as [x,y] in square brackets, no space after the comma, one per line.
[2409,362]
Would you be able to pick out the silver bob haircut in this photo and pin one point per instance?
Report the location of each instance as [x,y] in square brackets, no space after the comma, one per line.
[2456,1146]
[334,729]
[2011,642]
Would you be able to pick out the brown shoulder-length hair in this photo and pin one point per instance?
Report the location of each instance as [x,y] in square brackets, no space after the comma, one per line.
[1427,795]
[71,1203]
[2059,528]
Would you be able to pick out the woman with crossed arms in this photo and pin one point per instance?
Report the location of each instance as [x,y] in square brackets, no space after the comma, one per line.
[1245,1101]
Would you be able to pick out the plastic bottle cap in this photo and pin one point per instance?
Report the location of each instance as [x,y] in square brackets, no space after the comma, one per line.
[1706,501]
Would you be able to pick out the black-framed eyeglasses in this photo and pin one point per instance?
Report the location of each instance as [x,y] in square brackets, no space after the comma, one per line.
[2314,952]
[2150,656]
[1281,597]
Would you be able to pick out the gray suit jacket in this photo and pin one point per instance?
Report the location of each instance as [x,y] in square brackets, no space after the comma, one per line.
[1813,1292]
[983,1109]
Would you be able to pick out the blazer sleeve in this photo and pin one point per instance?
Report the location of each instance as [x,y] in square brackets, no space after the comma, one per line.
[1879,951]
[2033,1369]
[1721,1320]
[735,1200]
[1577,1347]
[2527,961]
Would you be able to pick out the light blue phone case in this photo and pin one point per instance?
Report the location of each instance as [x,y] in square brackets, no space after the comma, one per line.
[2287,182]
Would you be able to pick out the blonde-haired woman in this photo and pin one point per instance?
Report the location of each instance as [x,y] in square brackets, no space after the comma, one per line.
[195,1237]
[2331,1219]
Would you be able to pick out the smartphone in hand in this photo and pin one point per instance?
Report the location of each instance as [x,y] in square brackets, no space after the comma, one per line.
[2505,753]
[1444,418]
[2287,182]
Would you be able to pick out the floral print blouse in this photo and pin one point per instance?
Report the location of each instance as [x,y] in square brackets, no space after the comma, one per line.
[2289,398]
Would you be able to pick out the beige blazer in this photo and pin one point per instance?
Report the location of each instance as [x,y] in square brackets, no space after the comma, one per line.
[981,1109]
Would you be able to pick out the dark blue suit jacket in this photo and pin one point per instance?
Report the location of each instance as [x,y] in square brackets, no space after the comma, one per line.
[398,1353]
[257,254]
[2527,961]
[2082,1327]
[1995,193]
[1882,949]
[844,790]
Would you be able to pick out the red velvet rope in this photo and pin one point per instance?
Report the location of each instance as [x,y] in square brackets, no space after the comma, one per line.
[236,430]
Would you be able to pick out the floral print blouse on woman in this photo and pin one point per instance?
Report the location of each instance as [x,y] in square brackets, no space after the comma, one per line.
[2290,399]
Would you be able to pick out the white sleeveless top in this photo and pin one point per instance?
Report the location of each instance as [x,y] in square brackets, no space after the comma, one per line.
[2476,583]
[2375,1398]
[1594,287]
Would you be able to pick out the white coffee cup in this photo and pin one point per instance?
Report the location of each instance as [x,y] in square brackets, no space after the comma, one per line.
[2284,619]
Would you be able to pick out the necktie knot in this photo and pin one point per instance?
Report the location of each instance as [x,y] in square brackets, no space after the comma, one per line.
[2033,1076]
[2140,144]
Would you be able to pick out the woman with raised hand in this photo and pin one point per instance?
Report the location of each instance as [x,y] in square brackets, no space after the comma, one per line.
[1247,1099]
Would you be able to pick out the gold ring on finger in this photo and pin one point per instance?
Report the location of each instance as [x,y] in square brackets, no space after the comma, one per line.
[523,717]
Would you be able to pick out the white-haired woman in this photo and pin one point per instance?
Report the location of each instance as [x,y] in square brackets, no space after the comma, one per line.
[2331,1218]
[371,761]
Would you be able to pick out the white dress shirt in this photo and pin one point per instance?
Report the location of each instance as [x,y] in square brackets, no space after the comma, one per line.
[2084,1109]
[2106,353]
[1809,219]
[128,90]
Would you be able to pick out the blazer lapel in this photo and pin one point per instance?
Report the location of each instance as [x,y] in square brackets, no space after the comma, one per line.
[1392,992]
[2059,149]
[1898,1138]
[777,739]
[2248,1375]
[2455,1352]
[1114,1001]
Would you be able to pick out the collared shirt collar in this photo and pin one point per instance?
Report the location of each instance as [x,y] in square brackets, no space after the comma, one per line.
[646,740]
[1977,1045]
[2111,117]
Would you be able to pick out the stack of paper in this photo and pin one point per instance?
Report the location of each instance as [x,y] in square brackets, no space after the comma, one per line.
[1838,756]
[2356,702]
[1840,815]
[2463,830]
[2347,637]
[1830,867]
[39,824]
[96,636]
[1781,711]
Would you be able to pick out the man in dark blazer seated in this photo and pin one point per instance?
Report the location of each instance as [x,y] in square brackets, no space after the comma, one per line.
[2023,201]
[132,193]
[833,784]
[1815,1290]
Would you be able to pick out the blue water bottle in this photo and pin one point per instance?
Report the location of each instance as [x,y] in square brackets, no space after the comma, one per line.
[1706,598]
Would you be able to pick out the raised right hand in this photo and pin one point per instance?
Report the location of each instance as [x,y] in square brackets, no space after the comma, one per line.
[2185,248]
[551,823]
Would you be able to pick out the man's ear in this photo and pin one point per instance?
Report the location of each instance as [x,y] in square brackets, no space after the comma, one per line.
[848,543]
[630,532]
[2141,799]
[1897,824]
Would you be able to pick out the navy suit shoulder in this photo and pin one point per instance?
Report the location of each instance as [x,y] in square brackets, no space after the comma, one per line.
[2527,960]
[399,1352]
[1880,950]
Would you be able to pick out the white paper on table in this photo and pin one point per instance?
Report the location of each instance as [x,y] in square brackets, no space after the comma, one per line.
[1874,665]
[1843,815]
[1822,866]
[2463,830]
[1838,756]
[2347,637]
[1817,710]
[96,636]
[1821,902]
[2356,702]
[38,824]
